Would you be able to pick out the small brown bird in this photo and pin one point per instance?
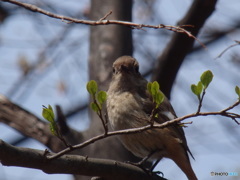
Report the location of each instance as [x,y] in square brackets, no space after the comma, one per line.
[129,105]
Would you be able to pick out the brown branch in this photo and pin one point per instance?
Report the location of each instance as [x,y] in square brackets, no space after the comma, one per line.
[223,112]
[30,125]
[170,60]
[62,121]
[201,100]
[101,21]
[104,17]
[70,164]
[236,44]
[10,155]
[100,115]
[115,41]
[231,107]
[20,119]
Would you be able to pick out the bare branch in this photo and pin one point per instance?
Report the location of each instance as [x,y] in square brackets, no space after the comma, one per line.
[180,45]
[231,107]
[102,21]
[31,158]
[6,116]
[201,100]
[104,17]
[237,43]
[223,112]
[100,115]
[31,126]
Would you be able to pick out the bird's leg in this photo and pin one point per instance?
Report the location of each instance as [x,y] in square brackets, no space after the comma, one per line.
[140,163]
[154,165]
[148,170]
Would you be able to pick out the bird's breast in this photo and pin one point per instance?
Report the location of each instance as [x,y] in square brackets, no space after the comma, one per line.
[125,110]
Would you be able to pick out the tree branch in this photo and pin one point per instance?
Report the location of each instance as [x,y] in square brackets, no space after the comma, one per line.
[201,100]
[223,112]
[70,164]
[10,112]
[179,46]
[236,44]
[101,21]
[107,43]
[31,126]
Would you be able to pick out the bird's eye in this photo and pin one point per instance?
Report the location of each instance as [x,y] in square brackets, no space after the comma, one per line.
[113,70]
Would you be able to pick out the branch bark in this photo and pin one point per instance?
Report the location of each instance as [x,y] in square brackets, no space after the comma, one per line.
[101,21]
[106,44]
[70,164]
[30,125]
[169,62]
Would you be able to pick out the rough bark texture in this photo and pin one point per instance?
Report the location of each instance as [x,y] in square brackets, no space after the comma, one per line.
[177,49]
[70,164]
[30,125]
[106,44]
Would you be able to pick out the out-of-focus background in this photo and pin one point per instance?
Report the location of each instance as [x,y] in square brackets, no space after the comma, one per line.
[45,61]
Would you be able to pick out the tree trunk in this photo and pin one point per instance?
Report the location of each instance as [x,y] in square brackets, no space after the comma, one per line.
[107,43]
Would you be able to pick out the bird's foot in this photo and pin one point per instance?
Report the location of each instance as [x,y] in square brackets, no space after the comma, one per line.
[148,171]
[138,164]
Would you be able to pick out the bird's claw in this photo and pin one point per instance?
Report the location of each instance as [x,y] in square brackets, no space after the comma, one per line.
[148,171]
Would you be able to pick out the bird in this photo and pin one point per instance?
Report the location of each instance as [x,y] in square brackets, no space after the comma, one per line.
[129,105]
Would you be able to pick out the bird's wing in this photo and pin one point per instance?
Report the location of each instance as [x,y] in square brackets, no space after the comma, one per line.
[166,113]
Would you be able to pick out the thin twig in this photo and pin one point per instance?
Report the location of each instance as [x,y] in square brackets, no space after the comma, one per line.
[104,17]
[144,128]
[232,106]
[237,43]
[200,101]
[64,141]
[99,113]
[103,20]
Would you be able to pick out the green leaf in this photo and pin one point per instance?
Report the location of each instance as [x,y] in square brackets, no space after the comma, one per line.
[194,89]
[94,107]
[237,90]
[101,97]
[48,113]
[149,87]
[206,78]
[154,88]
[197,89]
[92,87]
[159,98]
